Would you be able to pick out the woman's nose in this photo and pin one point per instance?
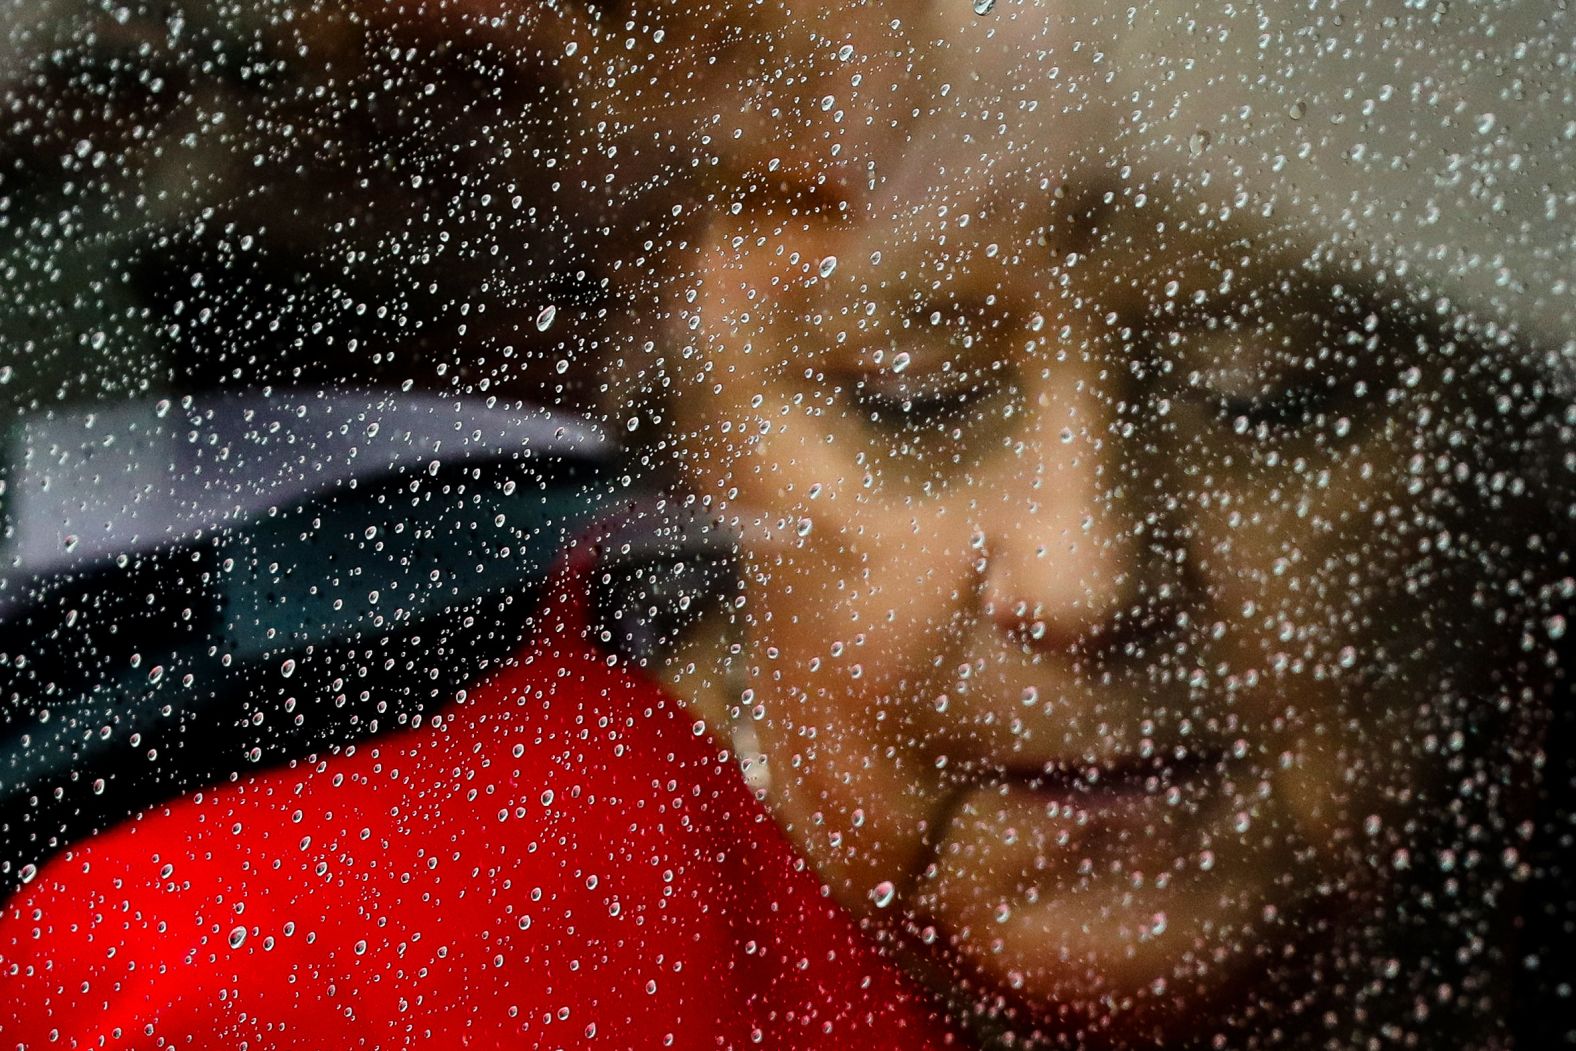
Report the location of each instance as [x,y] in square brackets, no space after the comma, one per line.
[1065,562]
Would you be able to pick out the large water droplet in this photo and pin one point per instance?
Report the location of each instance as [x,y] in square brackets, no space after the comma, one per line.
[883,893]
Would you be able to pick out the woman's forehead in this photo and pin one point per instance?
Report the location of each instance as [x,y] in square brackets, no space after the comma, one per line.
[1400,136]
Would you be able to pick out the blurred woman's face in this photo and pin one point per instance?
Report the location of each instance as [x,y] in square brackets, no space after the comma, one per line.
[1101,639]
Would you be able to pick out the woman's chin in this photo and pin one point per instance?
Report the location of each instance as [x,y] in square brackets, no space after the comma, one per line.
[1108,965]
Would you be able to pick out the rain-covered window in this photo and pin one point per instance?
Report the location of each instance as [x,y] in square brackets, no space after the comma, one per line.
[978,524]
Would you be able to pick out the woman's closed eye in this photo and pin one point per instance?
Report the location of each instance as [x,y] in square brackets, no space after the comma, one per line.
[894,399]
[1283,405]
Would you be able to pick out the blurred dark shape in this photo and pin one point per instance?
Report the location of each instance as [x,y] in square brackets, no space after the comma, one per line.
[192,592]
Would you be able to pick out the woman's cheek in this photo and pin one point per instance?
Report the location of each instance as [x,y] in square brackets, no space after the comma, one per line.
[853,607]
[1300,584]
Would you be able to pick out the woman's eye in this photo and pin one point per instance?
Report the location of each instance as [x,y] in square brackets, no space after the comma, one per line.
[894,402]
[792,195]
[1283,408]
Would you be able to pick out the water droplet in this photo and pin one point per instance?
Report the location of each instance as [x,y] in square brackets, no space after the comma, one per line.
[288,668]
[1199,142]
[29,871]
[237,937]
[804,527]
[901,361]
[982,7]
[828,265]
[883,894]
[1298,110]
[544,320]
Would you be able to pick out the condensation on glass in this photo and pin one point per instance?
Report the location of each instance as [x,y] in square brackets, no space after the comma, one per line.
[654,524]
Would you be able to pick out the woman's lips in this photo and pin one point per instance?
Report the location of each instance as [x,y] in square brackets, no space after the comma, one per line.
[1113,788]
[1033,835]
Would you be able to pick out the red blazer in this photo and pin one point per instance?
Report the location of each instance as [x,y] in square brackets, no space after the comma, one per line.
[558,860]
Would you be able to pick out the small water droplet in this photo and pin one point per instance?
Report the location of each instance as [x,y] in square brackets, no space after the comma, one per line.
[544,319]
[1199,142]
[982,7]
[237,937]
[901,362]
[883,894]
[828,265]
